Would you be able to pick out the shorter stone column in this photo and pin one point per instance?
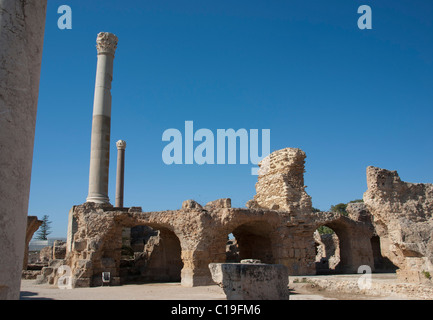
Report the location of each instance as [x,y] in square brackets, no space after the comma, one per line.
[120,178]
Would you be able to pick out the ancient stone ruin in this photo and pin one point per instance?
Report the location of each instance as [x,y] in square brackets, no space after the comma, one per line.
[403,221]
[391,229]
[278,227]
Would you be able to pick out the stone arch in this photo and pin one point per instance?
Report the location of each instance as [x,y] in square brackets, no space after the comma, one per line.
[157,259]
[354,243]
[344,235]
[254,241]
[327,250]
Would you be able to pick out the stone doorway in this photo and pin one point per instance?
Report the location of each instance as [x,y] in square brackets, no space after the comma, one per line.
[381,264]
[253,241]
[150,255]
[327,246]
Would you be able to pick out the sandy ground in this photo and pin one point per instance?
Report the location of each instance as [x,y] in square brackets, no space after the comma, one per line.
[172,291]
[154,291]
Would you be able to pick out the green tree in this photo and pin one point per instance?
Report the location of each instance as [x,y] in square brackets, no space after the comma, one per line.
[341,207]
[44,229]
[325,230]
[357,200]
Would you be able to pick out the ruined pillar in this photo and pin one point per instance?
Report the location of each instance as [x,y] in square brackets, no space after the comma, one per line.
[22,25]
[100,144]
[120,177]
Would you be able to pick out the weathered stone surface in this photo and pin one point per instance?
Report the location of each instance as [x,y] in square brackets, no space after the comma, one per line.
[59,249]
[46,254]
[328,253]
[358,211]
[386,289]
[251,281]
[80,245]
[33,224]
[22,25]
[191,238]
[280,183]
[191,204]
[30,274]
[251,261]
[252,204]
[120,175]
[403,220]
[106,44]
[220,203]
[50,274]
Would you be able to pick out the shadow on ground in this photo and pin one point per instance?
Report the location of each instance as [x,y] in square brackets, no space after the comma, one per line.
[28,295]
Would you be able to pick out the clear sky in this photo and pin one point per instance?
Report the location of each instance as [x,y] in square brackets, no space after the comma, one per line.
[349,98]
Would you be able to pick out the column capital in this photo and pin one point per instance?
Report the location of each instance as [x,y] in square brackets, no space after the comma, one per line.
[106,43]
[121,145]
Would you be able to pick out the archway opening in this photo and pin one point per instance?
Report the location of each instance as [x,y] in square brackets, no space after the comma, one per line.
[150,255]
[381,264]
[232,249]
[250,241]
[327,245]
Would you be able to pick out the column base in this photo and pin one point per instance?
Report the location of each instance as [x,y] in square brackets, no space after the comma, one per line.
[98,199]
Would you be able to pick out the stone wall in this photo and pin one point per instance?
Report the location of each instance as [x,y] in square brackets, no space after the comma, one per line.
[403,219]
[280,183]
[277,228]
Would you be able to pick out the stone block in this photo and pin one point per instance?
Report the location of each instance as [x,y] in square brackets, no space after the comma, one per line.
[220,203]
[59,249]
[82,283]
[191,204]
[108,263]
[80,245]
[251,281]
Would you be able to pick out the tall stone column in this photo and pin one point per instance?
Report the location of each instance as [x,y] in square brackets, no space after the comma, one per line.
[22,25]
[120,177]
[100,144]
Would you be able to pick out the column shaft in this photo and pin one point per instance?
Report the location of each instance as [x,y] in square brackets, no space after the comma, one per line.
[101,124]
[120,177]
[22,25]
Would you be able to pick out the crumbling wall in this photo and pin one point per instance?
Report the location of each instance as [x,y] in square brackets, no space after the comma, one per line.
[402,214]
[280,183]
[277,227]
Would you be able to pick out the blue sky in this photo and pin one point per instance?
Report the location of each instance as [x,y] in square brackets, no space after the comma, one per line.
[349,98]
